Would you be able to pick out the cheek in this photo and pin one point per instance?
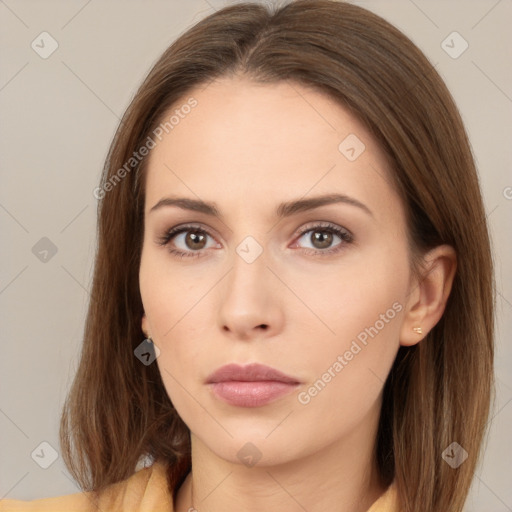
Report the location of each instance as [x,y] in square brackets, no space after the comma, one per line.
[367,290]
[172,312]
[172,302]
[361,312]
[348,370]
[168,295]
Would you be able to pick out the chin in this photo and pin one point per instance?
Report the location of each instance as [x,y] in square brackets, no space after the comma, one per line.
[257,449]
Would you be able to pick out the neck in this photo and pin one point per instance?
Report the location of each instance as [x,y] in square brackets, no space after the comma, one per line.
[342,477]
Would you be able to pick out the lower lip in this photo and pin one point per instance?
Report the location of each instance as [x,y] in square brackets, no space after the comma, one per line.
[251,394]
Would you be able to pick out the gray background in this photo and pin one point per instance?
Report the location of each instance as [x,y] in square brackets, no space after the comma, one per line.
[58,117]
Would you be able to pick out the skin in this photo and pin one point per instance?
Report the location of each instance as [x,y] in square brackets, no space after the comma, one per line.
[248,147]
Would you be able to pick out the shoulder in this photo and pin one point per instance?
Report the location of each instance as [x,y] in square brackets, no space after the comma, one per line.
[388,502]
[146,489]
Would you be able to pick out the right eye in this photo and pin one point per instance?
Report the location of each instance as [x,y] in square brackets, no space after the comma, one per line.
[190,241]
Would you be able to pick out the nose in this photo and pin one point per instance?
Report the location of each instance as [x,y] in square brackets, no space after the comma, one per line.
[250,304]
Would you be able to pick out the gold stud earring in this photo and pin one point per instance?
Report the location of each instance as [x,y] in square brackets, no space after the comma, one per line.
[417,330]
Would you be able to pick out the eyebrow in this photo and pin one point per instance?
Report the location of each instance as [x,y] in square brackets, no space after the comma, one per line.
[286,209]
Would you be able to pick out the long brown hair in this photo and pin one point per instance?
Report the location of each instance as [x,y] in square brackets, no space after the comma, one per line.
[438,391]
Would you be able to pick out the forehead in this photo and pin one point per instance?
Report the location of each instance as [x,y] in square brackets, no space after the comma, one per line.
[246,141]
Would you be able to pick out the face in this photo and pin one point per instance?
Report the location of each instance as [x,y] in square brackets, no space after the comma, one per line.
[313,290]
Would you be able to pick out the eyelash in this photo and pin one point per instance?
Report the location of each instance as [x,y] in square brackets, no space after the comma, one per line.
[342,233]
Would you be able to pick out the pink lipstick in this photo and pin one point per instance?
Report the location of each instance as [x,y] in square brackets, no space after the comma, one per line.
[253,385]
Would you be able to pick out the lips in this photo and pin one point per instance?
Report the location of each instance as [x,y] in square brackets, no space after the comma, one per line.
[253,385]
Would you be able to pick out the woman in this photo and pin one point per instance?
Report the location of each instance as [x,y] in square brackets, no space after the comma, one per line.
[292,304]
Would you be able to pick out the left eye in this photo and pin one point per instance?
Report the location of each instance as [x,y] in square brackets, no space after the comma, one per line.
[321,238]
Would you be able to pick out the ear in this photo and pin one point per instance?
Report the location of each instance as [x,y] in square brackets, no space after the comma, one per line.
[145,325]
[428,294]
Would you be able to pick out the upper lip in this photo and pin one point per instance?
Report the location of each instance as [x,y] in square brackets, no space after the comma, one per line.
[249,373]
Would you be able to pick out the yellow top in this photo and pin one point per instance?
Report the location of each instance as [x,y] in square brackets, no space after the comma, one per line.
[145,491]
